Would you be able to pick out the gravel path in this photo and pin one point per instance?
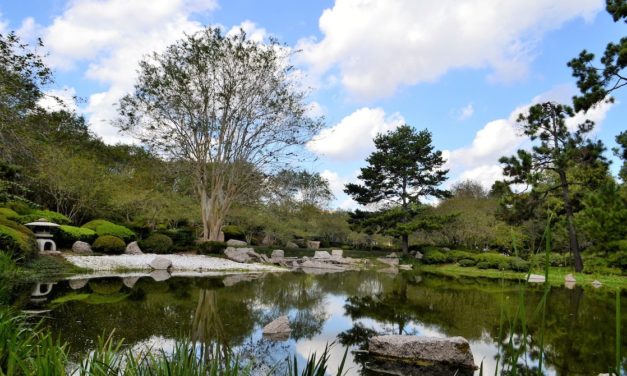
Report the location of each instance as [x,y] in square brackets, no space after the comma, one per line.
[196,263]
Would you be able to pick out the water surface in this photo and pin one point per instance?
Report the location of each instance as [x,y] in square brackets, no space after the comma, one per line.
[341,308]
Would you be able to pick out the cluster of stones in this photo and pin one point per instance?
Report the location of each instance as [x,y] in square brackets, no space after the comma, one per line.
[321,262]
[569,281]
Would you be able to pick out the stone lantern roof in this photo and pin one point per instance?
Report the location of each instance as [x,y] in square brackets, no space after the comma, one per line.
[41,226]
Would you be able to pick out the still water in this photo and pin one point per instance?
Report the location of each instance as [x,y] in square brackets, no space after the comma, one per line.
[340,308]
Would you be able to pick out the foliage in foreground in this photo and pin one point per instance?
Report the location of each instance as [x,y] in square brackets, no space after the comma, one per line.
[27,349]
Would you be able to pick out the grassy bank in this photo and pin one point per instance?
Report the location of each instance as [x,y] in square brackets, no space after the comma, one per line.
[556,275]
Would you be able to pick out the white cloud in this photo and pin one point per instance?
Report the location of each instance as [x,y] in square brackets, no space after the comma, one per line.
[466,112]
[113,35]
[352,137]
[254,33]
[315,109]
[337,184]
[502,137]
[59,99]
[379,45]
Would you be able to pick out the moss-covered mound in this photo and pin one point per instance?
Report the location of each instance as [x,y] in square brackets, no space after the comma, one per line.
[17,240]
[156,243]
[111,245]
[104,227]
[49,215]
[67,235]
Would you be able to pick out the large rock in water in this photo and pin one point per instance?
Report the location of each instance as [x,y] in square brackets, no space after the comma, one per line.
[133,249]
[337,253]
[453,351]
[244,255]
[236,243]
[81,247]
[278,329]
[277,253]
[160,263]
[311,244]
[321,255]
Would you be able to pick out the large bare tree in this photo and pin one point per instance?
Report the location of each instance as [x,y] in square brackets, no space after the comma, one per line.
[227,105]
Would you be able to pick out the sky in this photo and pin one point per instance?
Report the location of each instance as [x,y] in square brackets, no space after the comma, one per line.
[461,69]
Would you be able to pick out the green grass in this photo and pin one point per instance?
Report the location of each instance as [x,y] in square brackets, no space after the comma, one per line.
[556,275]
[47,267]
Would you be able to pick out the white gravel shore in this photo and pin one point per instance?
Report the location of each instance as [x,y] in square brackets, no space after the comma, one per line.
[196,263]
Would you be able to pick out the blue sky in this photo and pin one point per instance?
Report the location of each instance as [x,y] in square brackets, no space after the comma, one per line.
[462,69]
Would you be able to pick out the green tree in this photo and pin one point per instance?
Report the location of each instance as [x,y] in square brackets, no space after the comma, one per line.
[225,104]
[404,169]
[556,152]
[299,186]
[597,83]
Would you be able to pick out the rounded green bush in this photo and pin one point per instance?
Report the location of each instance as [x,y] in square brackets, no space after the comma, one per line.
[9,214]
[483,265]
[20,207]
[17,240]
[233,232]
[434,257]
[210,247]
[467,262]
[103,227]
[49,215]
[156,243]
[67,235]
[111,245]
[519,265]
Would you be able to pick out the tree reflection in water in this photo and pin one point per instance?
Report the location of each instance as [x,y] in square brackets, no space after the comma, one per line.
[207,328]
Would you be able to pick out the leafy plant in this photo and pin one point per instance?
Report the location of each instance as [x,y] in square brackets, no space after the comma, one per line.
[156,243]
[109,244]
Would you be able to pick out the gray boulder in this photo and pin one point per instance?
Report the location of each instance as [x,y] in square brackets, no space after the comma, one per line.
[291,245]
[313,244]
[278,329]
[76,284]
[81,247]
[418,255]
[133,249]
[452,350]
[130,281]
[536,278]
[237,254]
[268,240]
[277,253]
[160,263]
[337,253]
[596,284]
[236,243]
[389,261]
[321,255]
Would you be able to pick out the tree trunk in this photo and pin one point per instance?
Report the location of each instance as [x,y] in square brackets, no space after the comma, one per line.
[405,243]
[572,234]
[204,213]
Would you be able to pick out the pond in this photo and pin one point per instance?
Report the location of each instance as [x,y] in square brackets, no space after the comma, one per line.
[340,308]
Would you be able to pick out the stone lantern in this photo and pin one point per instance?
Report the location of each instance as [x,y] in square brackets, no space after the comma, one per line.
[42,228]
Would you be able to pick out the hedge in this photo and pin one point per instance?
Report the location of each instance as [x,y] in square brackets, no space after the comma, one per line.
[156,243]
[210,247]
[233,232]
[481,260]
[9,214]
[104,227]
[49,215]
[67,235]
[109,244]
[17,240]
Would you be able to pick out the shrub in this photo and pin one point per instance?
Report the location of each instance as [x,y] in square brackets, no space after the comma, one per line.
[17,240]
[233,232]
[109,244]
[519,265]
[460,255]
[48,215]
[483,265]
[103,227]
[434,257]
[156,243]
[20,207]
[467,262]
[9,214]
[555,259]
[618,260]
[494,260]
[210,247]
[67,235]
